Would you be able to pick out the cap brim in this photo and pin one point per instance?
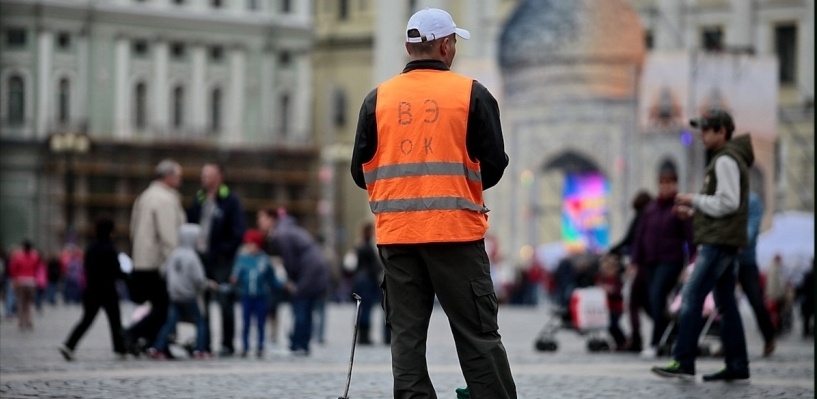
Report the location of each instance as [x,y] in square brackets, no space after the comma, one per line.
[462,33]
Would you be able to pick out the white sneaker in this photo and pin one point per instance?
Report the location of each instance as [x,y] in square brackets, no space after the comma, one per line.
[649,353]
[66,352]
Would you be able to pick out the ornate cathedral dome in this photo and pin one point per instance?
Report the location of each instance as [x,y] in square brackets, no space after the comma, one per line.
[543,32]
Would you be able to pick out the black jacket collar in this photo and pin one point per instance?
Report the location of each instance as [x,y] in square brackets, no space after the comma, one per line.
[425,64]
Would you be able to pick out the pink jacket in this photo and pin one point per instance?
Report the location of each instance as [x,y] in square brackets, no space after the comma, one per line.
[25,265]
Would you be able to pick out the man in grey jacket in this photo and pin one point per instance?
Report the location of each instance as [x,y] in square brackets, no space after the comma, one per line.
[155,220]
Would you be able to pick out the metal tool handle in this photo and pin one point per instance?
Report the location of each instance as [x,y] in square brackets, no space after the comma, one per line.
[357,298]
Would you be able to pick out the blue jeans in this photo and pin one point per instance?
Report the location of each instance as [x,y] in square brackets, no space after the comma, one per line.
[302,309]
[174,313]
[664,277]
[716,268]
[253,307]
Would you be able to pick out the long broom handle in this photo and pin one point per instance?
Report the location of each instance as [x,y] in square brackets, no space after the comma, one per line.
[354,343]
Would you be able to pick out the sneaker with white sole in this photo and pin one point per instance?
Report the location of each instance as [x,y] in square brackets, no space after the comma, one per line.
[66,352]
[674,370]
[649,353]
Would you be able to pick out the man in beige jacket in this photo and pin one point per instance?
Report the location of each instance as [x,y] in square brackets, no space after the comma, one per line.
[154,227]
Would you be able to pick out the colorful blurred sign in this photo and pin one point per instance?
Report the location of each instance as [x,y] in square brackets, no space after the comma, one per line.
[585,223]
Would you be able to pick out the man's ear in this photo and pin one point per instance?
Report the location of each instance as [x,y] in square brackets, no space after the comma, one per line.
[408,48]
[443,50]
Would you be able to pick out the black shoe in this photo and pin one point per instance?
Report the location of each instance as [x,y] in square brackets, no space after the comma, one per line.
[728,375]
[674,370]
[225,352]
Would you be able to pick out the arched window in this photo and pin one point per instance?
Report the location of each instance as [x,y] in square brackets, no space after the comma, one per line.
[215,110]
[178,107]
[63,101]
[16,101]
[141,105]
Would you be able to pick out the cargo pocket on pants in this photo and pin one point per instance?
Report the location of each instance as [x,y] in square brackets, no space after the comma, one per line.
[486,303]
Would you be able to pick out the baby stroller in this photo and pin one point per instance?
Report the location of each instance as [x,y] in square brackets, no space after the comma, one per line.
[710,327]
[588,314]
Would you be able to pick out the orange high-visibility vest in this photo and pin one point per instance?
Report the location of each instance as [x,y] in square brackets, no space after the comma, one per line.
[422,186]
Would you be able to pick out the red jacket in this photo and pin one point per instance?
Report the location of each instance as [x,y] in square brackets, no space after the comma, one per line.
[25,265]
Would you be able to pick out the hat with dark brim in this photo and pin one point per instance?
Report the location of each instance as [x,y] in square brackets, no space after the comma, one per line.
[713,119]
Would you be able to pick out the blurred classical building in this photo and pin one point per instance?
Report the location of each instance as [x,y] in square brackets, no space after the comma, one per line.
[580,88]
[740,30]
[141,80]
[359,44]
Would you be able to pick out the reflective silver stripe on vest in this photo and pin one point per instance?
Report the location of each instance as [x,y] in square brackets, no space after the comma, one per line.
[426,204]
[421,169]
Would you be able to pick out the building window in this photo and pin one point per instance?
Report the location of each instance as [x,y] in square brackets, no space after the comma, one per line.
[284,58]
[178,107]
[141,105]
[712,38]
[343,10]
[177,50]
[785,45]
[285,105]
[64,40]
[339,108]
[252,5]
[216,3]
[178,2]
[286,6]
[16,101]
[216,53]
[16,37]
[215,110]
[63,101]
[649,40]
[140,47]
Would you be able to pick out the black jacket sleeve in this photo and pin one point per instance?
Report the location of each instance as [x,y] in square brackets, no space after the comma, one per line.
[484,136]
[365,138]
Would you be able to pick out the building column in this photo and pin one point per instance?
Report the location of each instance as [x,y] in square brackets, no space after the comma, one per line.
[159,118]
[269,65]
[45,44]
[389,51]
[235,115]
[805,50]
[80,111]
[198,91]
[669,33]
[122,94]
[302,98]
[741,26]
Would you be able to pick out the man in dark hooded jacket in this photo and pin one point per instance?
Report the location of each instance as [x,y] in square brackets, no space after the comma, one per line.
[720,213]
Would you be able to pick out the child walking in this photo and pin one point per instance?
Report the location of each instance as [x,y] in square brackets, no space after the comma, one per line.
[255,277]
[184,274]
[609,280]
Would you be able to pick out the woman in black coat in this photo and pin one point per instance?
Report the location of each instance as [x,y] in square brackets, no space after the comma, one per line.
[101,272]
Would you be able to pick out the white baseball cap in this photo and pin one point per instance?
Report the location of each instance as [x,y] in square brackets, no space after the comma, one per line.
[433,23]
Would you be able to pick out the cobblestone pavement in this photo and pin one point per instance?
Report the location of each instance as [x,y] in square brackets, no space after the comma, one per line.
[31,366]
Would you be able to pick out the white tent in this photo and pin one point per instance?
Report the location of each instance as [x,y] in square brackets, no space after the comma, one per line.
[791,236]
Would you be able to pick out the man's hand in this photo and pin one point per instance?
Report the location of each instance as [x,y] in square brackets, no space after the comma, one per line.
[290,287]
[683,212]
[684,199]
